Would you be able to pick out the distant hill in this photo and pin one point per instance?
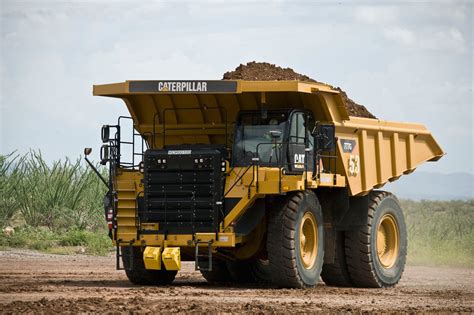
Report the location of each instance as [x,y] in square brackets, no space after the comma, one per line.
[433,186]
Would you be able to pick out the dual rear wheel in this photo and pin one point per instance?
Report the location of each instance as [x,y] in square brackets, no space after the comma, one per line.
[373,255]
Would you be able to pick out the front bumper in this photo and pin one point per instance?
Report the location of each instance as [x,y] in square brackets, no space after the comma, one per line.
[226,239]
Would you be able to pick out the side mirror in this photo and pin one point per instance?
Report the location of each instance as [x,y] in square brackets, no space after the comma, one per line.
[275,134]
[325,137]
[104,154]
[87,151]
[105,133]
[313,127]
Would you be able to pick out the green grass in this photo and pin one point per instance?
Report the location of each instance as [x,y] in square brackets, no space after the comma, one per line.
[440,232]
[65,242]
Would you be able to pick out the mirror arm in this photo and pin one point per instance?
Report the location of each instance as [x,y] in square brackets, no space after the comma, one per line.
[96,171]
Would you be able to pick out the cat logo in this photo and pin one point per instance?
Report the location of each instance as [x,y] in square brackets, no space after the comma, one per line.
[299,160]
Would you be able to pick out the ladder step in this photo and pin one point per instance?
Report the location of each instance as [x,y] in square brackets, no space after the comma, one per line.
[206,263]
[126,207]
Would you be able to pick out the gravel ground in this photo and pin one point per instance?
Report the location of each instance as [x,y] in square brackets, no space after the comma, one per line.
[36,282]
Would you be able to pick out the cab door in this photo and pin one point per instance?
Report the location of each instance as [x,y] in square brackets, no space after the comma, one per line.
[297,142]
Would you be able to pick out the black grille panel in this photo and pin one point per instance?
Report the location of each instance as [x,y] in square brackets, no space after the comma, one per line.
[183,190]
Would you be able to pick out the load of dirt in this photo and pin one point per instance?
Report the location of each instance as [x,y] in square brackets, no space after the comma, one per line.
[264,71]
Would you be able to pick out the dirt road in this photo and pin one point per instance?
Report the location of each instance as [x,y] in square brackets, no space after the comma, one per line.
[31,281]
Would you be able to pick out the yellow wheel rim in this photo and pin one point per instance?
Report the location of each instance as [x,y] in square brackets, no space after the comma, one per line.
[308,240]
[388,238]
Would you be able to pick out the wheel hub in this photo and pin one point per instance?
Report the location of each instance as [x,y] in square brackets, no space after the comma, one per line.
[388,237]
[308,235]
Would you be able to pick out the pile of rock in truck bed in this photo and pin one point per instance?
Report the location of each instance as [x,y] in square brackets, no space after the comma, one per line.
[264,71]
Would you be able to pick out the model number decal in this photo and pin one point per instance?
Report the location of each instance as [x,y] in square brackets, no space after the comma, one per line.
[348,145]
[354,165]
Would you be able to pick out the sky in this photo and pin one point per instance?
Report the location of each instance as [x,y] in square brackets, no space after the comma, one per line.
[405,61]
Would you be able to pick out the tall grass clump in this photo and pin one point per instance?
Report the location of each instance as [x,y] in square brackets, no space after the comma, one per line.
[61,196]
[10,177]
[440,232]
[52,205]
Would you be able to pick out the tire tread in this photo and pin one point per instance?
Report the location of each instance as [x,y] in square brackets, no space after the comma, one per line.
[358,250]
[281,246]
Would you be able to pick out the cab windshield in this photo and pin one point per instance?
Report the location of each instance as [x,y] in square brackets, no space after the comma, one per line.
[264,134]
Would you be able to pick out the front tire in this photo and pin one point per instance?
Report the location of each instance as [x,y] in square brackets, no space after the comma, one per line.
[295,242]
[376,252]
[132,258]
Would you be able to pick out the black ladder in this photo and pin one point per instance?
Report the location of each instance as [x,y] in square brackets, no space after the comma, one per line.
[206,264]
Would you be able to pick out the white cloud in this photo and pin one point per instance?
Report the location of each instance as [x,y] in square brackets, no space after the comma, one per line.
[444,40]
[401,35]
[449,40]
[431,27]
[377,15]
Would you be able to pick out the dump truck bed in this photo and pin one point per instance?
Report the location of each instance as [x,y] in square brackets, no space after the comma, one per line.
[386,150]
[370,152]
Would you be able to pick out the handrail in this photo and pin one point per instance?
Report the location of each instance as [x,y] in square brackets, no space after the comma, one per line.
[117,142]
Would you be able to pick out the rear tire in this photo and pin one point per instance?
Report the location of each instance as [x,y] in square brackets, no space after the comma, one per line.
[337,274]
[376,253]
[132,258]
[295,242]
[219,273]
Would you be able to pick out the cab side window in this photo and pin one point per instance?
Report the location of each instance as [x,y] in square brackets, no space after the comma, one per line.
[297,131]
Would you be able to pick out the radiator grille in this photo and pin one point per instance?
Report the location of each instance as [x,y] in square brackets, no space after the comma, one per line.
[183,190]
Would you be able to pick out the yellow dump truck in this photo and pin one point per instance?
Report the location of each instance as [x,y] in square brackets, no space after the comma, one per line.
[269,182]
